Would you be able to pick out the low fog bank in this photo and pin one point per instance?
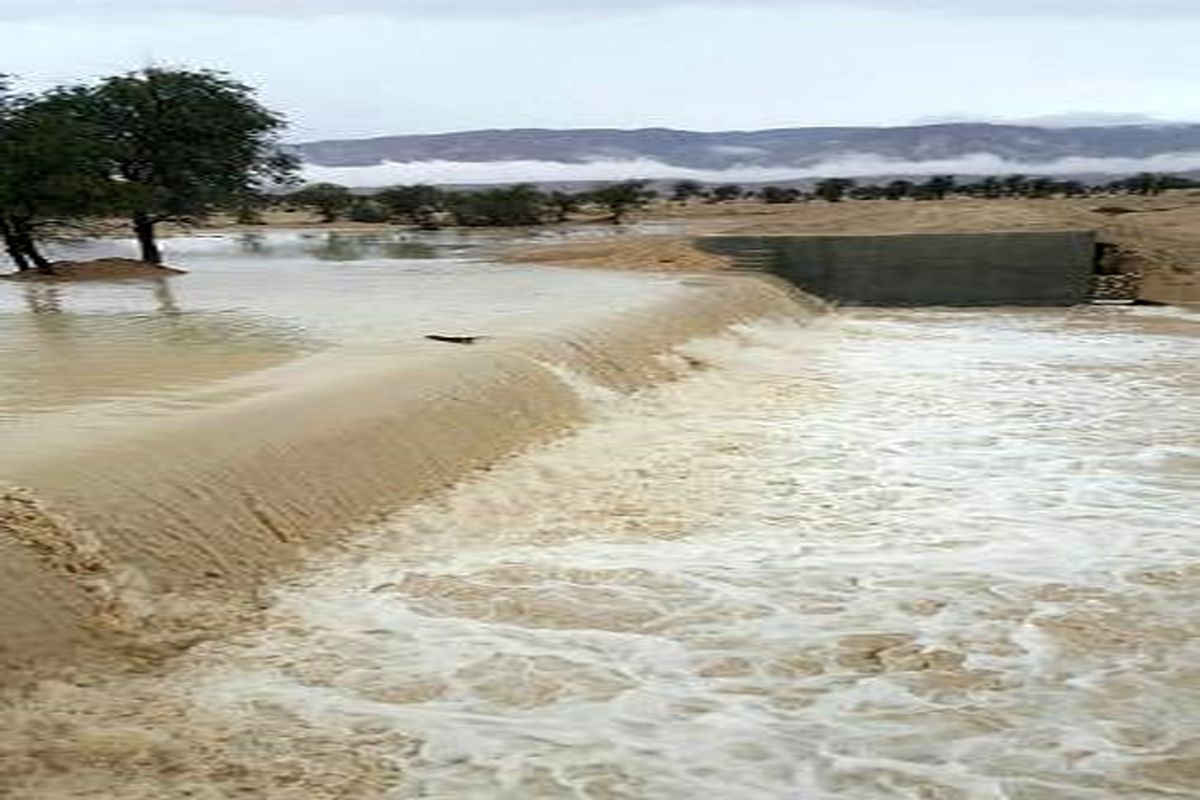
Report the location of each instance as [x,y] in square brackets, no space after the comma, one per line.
[850,165]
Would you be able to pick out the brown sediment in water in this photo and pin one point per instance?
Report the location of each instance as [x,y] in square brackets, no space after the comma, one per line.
[833,542]
[99,541]
[98,269]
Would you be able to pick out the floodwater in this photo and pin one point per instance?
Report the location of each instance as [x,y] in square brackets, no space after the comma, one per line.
[92,353]
[928,554]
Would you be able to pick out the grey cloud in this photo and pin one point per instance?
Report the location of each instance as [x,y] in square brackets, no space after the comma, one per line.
[15,9]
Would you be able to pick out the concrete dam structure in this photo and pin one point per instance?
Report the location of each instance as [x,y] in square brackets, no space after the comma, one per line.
[1037,268]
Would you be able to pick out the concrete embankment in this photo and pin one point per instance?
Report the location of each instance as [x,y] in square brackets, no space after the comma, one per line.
[1019,268]
[126,543]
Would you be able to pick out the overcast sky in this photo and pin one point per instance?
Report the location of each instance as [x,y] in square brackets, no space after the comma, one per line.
[349,68]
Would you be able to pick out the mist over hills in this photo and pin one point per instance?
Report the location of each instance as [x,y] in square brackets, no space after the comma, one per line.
[493,156]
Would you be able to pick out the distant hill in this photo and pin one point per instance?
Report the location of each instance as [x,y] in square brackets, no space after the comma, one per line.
[802,148]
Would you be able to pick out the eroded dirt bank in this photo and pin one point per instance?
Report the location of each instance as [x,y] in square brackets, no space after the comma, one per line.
[1160,236]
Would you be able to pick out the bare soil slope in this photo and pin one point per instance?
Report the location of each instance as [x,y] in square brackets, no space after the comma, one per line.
[1160,236]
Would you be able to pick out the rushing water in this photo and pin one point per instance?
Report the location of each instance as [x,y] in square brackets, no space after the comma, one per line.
[947,555]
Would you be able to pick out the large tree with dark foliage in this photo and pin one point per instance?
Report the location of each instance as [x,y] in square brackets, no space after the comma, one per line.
[184,143]
[52,172]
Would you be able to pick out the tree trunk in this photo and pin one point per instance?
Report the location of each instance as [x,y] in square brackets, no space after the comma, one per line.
[143,228]
[12,246]
[27,245]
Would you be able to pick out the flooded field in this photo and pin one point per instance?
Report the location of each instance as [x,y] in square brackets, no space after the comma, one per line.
[89,353]
[939,555]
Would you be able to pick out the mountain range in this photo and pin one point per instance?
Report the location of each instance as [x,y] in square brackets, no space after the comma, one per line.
[660,152]
[786,147]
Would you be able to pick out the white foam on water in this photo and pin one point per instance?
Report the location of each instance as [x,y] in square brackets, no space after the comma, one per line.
[913,554]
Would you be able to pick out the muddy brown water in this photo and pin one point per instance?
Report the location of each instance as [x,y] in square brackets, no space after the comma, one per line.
[80,358]
[901,554]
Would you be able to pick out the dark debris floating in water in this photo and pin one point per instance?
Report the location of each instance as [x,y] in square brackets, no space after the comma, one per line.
[454,339]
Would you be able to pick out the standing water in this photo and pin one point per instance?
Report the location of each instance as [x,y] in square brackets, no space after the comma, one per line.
[88,355]
[928,554]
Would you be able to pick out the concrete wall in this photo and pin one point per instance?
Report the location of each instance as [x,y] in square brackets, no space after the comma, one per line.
[1040,268]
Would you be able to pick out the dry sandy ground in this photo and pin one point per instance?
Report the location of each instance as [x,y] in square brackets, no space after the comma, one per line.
[1161,236]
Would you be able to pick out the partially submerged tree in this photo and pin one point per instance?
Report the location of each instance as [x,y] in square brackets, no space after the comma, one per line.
[184,143]
[52,171]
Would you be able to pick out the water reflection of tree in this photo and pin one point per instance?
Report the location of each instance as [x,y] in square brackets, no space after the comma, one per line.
[343,246]
[46,301]
[409,249]
[51,316]
[340,247]
[254,244]
[165,296]
[43,298]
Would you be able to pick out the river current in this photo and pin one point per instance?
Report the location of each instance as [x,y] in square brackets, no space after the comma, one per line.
[927,554]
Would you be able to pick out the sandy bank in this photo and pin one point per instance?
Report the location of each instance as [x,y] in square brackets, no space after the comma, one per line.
[100,269]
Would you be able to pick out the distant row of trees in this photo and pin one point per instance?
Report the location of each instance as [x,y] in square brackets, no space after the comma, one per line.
[429,207]
[150,146]
[937,187]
